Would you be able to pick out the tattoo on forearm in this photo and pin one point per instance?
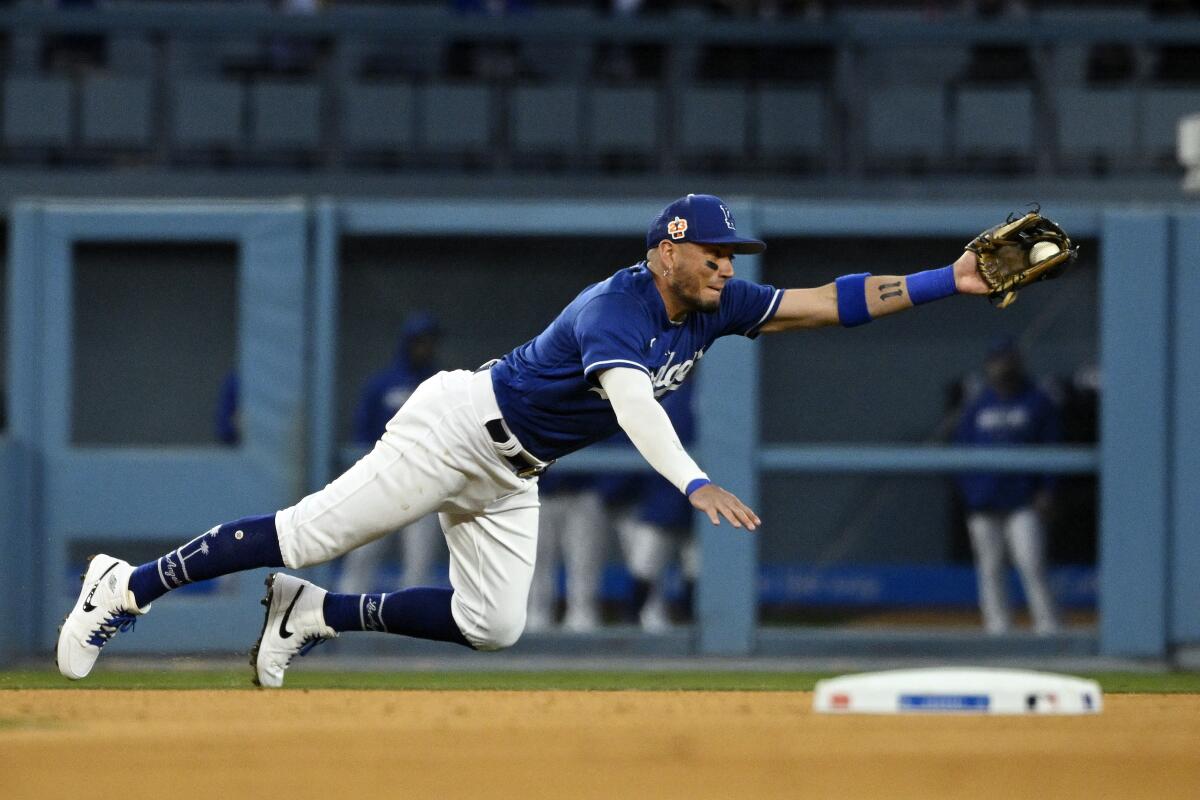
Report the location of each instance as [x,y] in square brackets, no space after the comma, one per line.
[884,294]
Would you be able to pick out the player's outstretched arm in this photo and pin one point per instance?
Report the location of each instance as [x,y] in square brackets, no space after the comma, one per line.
[649,428]
[881,295]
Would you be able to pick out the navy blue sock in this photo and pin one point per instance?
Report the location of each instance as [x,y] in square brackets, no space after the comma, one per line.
[420,613]
[235,546]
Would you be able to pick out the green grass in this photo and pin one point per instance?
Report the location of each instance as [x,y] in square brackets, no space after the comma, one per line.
[1114,682]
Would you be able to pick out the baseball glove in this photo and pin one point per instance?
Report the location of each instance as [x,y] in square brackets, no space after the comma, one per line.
[1012,255]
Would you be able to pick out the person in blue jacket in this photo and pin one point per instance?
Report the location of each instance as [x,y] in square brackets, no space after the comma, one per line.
[381,397]
[1007,510]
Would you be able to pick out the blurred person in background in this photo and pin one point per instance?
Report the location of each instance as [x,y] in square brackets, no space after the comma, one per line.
[572,528]
[1007,511]
[659,531]
[380,399]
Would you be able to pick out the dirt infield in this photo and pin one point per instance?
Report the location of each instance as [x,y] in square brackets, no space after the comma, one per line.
[329,744]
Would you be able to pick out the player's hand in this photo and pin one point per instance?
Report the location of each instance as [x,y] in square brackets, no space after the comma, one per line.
[716,502]
[966,275]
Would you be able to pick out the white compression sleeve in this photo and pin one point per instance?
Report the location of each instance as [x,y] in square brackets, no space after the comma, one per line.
[648,426]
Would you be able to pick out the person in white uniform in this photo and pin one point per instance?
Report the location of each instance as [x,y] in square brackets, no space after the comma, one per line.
[1005,511]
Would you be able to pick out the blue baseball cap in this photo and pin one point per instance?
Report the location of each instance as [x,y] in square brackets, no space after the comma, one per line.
[702,219]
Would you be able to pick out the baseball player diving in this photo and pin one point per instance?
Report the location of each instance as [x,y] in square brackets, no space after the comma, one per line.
[470,446]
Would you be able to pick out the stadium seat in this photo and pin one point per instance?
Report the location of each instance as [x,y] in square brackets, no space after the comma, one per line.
[23,53]
[206,113]
[623,121]
[377,117]
[993,122]
[285,116]
[927,64]
[791,123]
[555,59]
[712,123]
[1161,111]
[37,112]
[456,118]
[1096,123]
[905,122]
[545,120]
[116,112]
[392,59]
[192,57]
[131,54]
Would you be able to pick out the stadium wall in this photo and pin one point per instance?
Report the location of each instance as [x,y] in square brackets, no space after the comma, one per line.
[309,249]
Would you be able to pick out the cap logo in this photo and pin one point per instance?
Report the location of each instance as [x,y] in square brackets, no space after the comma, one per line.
[677,227]
[728,217]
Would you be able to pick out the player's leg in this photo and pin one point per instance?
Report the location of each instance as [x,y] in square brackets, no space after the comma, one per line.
[490,521]
[388,488]
[541,613]
[584,547]
[114,593]
[1027,542]
[422,545]
[987,542]
[491,565]
[400,480]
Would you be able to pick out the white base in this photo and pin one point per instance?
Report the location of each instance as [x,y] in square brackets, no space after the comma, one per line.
[957,690]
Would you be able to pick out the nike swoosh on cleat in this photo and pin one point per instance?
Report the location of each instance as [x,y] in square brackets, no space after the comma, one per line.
[284,633]
[87,601]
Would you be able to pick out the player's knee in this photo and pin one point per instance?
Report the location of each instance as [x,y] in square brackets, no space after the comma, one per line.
[500,629]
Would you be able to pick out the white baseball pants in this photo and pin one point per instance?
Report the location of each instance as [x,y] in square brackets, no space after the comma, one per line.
[435,456]
[421,546]
[1022,530]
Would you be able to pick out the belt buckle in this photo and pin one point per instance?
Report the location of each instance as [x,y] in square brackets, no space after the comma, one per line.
[533,470]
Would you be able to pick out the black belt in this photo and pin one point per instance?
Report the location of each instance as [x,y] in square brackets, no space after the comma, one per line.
[525,465]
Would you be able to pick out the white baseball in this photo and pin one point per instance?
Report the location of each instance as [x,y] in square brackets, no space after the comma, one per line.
[1041,251]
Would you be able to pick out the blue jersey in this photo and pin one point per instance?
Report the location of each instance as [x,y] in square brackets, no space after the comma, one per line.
[547,388]
[1028,417]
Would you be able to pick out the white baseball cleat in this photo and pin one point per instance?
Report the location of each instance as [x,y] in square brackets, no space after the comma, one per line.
[295,623]
[104,608]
